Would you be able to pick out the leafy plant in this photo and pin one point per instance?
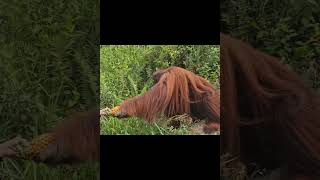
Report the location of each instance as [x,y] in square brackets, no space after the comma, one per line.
[286,29]
[126,71]
[49,64]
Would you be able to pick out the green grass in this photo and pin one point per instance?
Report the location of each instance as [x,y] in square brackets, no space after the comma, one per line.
[11,170]
[136,126]
[126,71]
[49,65]
[286,29]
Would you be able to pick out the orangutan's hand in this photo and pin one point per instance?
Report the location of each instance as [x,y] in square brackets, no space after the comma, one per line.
[105,112]
[56,152]
[11,148]
[211,128]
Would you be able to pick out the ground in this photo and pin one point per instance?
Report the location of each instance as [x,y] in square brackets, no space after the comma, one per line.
[136,126]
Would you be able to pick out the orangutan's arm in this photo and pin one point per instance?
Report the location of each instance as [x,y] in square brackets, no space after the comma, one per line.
[147,106]
[75,140]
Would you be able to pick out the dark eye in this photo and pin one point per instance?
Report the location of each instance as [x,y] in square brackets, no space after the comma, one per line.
[155,79]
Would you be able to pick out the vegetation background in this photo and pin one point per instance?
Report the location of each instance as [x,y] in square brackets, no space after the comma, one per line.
[49,64]
[288,29]
[126,71]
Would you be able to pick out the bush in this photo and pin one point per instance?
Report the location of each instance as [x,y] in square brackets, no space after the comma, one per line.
[286,29]
[49,64]
[126,71]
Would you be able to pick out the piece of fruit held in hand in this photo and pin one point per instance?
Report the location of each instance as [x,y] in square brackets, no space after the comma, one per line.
[117,112]
[39,144]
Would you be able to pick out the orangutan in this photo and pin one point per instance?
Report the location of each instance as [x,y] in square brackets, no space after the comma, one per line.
[269,116]
[176,91]
[76,139]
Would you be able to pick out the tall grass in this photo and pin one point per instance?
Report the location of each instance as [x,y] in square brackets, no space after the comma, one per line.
[288,29]
[48,66]
[126,71]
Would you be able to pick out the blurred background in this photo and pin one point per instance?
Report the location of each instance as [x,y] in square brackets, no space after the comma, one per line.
[49,67]
[288,29]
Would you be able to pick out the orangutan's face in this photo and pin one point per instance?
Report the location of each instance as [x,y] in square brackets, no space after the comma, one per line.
[158,74]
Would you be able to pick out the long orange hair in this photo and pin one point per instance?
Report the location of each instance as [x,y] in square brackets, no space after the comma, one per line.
[177,91]
[266,107]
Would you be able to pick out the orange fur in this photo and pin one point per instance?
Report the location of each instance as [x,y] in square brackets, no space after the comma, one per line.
[176,92]
[267,109]
[79,137]
[76,139]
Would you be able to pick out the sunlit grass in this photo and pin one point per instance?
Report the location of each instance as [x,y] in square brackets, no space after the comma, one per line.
[135,126]
[126,71]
